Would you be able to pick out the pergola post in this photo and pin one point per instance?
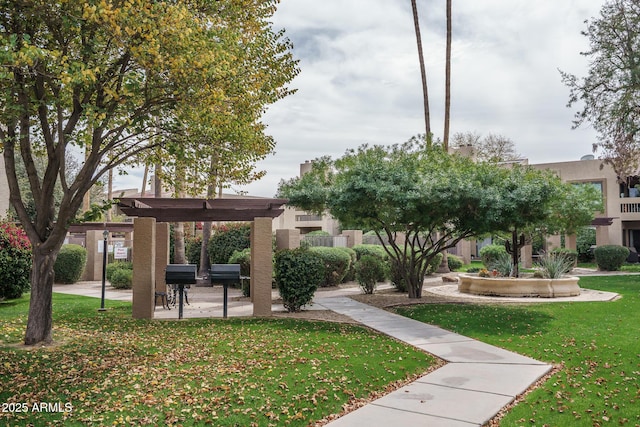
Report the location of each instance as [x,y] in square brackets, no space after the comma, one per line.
[144,266]
[261,266]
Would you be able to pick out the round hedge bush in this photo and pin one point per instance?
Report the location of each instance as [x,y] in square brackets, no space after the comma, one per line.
[70,263]
[454,262]
[351,273]
[492,253]
[118,265]
[375,250]
[227,239]
[336,264]
[15,261]
[243,258]
[610,257]
[298,273]
[368,270]
[122,278]
[192,249]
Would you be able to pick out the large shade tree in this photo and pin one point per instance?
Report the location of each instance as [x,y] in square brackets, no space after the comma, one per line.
[609,95]
[423,201]
[104,77]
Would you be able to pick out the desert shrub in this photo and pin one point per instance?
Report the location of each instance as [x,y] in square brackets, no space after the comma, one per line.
[298,273]
[375,250]
[318,233]
[553,264]
[15,261]
[70,263]
[491,253]
[368,270]
[243,258]
[585,239]
[351,273]
[569,254]
[503,264]
[454,262]
[336,264]
[226,239]
[121,278]
[610,257]
[119,265]
[192,248]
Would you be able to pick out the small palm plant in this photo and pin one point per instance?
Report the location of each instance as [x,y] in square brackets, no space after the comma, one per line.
[552,265]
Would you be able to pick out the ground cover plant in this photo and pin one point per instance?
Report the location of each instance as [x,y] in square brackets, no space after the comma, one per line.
[114,370]
[595,344]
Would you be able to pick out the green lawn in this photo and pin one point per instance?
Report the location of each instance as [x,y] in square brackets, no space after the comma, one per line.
[114,370]
[597,344]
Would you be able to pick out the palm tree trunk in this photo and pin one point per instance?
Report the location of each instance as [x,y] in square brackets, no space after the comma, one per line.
[447,98]
[423,73]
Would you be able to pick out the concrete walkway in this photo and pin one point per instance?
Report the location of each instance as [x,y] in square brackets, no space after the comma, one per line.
[478,381]
[471,389]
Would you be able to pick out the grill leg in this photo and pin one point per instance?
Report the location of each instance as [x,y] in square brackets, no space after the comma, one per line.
[181,302]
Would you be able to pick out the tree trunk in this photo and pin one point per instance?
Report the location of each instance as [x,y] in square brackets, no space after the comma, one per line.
[40,319]
[205,264]
[423,73]
[447,97]
[179,256]
[109,195]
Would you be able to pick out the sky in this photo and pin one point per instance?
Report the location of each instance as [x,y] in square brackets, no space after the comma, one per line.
[360,78]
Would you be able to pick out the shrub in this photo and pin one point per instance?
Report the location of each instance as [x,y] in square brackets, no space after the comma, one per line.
[351,273]
[569,254]
[375,250]
[368,270]
[119,265]
[70,263]
[226,239]
[318,233]
[585,239]
[298,273]
[15,261]
[610,257]
[491,253]
[503,264]
[555,263]
[454,262]
[193,246]
[336,264]
[243,258]
[122,278]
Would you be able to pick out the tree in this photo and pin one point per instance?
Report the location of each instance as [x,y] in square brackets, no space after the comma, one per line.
[423,71]
[106,77]
[492,148]
[610,92]
[431,198]
[447,98]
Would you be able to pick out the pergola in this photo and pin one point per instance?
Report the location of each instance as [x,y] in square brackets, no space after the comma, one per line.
[151,241]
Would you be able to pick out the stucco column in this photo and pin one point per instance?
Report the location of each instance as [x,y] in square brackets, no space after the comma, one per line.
[287,239]
[553,242]
[261,266]
[162,256]
[354,237]
[602,236]
[526,256]
[144,266]
[571,242]
[93,267]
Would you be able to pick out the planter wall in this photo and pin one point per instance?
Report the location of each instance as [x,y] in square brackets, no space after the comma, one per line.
[519,287]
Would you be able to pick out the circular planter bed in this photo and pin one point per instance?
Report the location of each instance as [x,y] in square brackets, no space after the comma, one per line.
[519,287]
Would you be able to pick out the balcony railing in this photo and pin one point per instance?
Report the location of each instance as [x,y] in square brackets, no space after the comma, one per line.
[308,218]
[629,207]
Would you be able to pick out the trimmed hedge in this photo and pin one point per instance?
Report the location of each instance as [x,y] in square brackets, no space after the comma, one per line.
[454,262]
[243,258]
[15,261]
[192,249]
[375,250]
[351,273]
[610,257]
[336,264]
[120,274]
[227,239]
[70,263]
[298,273]
[368,270]
[491,254]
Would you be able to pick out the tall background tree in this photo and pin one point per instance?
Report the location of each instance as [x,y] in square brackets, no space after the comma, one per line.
[491,148]
[106,77]
[447,86]
[610,93]
[423,72]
